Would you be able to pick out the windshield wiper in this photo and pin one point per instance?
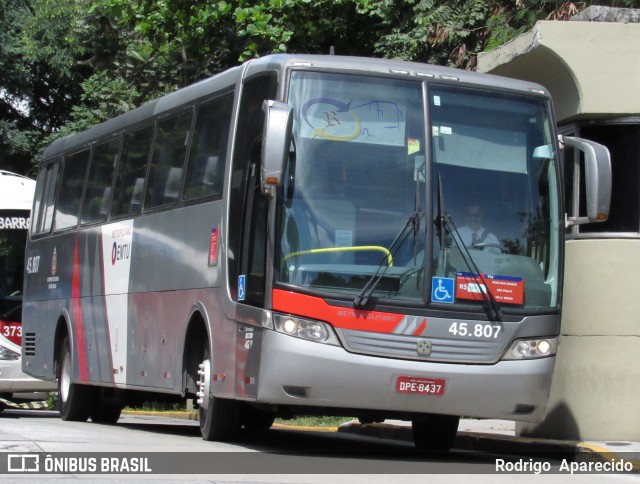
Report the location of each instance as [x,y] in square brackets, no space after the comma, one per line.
[413,224]
[447,231]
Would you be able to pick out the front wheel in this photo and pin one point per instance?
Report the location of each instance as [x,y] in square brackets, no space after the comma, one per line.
[219,417]
[435,433]
[76,401]
[105,413]
[255,419]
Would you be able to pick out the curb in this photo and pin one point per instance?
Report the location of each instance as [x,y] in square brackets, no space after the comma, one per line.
[38,405]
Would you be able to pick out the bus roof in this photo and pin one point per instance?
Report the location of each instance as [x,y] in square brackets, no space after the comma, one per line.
[16,191]
[280,62]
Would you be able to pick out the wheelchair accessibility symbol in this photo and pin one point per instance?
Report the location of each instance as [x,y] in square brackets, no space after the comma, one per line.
[442,289]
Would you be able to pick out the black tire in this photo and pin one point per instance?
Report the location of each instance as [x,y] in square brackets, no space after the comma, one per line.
[76,401]
[105,413]
[219,417]
[255,419]
[435,433]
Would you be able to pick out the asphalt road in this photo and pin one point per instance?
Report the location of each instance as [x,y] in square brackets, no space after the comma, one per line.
[173,450]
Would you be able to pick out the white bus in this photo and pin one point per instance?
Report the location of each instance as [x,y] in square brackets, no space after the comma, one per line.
[16,198]
[288,237]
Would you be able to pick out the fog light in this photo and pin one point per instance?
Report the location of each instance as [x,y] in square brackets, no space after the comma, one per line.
[316,331]
[521,350]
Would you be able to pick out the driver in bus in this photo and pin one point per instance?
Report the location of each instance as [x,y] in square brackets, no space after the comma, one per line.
[473,234]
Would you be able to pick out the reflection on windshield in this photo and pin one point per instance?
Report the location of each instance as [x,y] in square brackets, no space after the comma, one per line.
[360,172]
[493,155]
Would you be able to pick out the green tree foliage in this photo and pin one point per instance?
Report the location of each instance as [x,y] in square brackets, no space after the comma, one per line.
[453,32]
[40,73]
[68,64]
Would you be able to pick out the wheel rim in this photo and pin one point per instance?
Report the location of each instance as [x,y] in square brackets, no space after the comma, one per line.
[65,378]
[204,384]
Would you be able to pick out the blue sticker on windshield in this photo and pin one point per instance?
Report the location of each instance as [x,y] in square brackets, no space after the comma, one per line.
[442,289]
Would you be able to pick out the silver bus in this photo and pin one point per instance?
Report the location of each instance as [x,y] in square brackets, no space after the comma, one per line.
[295,236]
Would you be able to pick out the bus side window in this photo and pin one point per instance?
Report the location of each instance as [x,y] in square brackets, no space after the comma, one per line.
[127,197]
[205,167]
[70,193]
[169,153]
[97,194]
[45,198]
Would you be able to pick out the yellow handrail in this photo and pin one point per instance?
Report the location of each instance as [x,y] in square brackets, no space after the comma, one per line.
[357,248]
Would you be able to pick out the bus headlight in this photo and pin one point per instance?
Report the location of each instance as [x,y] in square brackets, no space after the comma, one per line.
[7,354]
[526,349]
[316,331]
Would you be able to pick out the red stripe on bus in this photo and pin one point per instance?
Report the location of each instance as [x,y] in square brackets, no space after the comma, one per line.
[78,323]
[339,317]
[420,328]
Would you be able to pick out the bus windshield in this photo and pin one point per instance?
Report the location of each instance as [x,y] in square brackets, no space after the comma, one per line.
[13,237]
[354,215]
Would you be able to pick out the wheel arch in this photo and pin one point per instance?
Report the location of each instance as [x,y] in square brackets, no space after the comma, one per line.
[63,330]
[197,334]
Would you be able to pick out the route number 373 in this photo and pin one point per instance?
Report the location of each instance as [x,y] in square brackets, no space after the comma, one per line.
[478,330]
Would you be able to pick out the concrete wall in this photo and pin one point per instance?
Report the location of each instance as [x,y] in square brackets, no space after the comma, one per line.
[591,69]
[595,393]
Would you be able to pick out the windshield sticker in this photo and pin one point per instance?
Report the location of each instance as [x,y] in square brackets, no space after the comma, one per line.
[413,146]
[375,121]
[242,283]
[445,130]
[436,100]
[344,238]
[505,289]
[442,290]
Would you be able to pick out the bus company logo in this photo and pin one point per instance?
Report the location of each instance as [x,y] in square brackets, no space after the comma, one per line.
[54,262]
[23,463]
[423,347]
[120,252]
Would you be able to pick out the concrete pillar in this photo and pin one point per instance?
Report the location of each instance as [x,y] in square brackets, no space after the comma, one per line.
[595,393]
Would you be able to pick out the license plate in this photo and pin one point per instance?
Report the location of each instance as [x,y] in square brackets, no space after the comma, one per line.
[420,385]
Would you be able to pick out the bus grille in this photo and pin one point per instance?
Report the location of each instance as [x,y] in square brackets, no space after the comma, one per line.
[445,350]
[29,344]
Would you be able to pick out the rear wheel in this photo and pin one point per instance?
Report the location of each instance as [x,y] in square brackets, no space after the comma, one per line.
[435,433]
[76,401]
[219,417]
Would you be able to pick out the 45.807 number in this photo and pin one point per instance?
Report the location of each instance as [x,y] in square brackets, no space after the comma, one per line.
[478,330]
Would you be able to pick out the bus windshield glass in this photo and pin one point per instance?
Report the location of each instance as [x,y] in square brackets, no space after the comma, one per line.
[353,218]
[13,237]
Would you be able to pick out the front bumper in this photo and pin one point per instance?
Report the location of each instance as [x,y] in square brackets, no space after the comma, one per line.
[301,373]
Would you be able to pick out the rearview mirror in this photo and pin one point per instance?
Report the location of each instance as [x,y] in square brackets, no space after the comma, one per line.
[597,163]
[276,141]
